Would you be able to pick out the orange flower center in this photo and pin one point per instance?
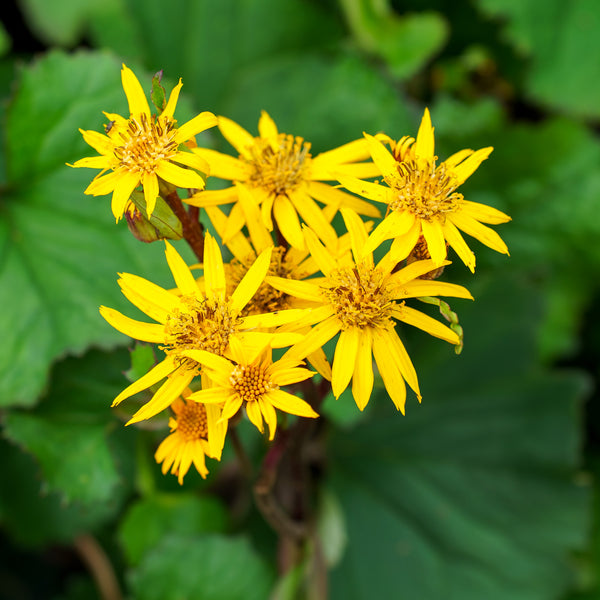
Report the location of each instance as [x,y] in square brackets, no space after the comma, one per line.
[145,143]
[199,325]
[251,382]
[359,297]
[427,193]
[192,422]
[278,166]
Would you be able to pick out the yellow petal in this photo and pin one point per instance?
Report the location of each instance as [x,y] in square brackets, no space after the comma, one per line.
[288,222]
[181,273]
[322,256]
[213,197]
[404,244]
[290,404]
[217,363]
[354,151]
[238,244]
[259,235]
[235,222]
[251,281]
[198,124]
[255,415]
[183,178]
[160,371]
[313,216]
[413,317]
[104,185]
[344,360]
[382,158]
[401,357]
[223,165]
[332,196]
[358,237]
[269,414]
[459,245]
[436,244]
[362,381]
[424,146]
[293,375]
[413,271]
[468,166]
[484,213]
[93,162]
[480,232]
[213,395]
[266,126]
[169,109]
[237,136]
[316,338]
[298,289]
[423,287]
[394,225]
[170,390]
[192,160]
[152,299]
[123,190]
[456,158]
[99,142]
[135,94]
[366,189]
[150,184]
[389,371]
[214,272]
[138,330]
[275,319]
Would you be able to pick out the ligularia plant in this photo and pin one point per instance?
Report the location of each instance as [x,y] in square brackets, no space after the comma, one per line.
[333,258]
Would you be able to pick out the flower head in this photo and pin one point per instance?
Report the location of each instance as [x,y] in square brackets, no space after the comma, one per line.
[252,382]
[197,430]
[144,148]
[362,302]
[191,319]
[277,177]
[422,199]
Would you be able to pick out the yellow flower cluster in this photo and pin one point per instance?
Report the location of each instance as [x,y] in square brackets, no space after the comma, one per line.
[294,283]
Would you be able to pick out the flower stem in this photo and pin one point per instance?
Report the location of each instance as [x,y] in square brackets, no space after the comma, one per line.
[192,228]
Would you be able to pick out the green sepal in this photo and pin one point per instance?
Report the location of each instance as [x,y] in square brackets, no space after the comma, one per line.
[162,225]
[450,316]
[158,96]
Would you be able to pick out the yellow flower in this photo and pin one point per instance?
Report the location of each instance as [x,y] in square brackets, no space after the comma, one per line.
[422,198]
[189,318]
[361,301]
[276,173]
[253,382]
[196,431]
[144,148]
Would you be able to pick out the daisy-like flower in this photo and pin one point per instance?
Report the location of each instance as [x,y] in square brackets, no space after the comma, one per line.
[276,172]
[189,318]
[361,302]
[422,198]
[143,149]
[197,430]
[252,382]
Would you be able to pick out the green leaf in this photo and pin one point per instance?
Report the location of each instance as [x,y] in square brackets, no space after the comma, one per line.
[5,40]
[210,44]
[72,431]
[210,567]
[405,42]
[63,22]
[327,99]
[158,96]
[31,515]
[561,40]
[473,493]
[60,250]
[151,519]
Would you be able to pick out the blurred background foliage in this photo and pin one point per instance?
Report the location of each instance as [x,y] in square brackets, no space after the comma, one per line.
[486,490]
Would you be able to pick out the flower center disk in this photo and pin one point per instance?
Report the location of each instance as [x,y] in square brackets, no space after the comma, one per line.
[427,192]
[278,167]
[192,422]
[251,382]
[146,143]
[359,297]
[199,325]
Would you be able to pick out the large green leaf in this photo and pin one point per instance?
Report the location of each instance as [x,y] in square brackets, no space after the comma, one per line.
[72,432]
[152,518]
[209,44]
[472,494]
[60,251]
[210,567]
[560,38]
